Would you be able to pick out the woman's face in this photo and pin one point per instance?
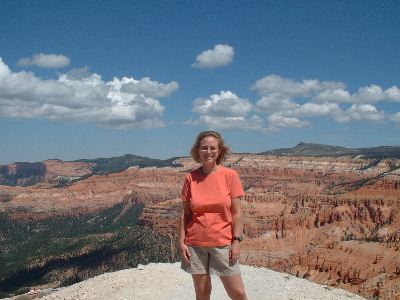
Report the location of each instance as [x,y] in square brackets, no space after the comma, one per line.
[209,150]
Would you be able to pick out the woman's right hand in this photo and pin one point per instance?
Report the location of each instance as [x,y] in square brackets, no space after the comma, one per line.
[185,253]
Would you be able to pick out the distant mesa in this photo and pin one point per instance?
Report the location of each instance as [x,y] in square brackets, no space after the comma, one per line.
[22,173]
[120,163]
[310,149]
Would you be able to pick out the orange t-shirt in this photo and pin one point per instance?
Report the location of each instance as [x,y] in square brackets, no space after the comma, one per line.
[210,198]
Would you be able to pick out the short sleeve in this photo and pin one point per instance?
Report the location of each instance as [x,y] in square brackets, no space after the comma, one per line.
[236,188]
[186,193]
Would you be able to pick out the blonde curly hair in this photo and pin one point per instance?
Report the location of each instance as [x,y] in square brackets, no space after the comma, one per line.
[224,149]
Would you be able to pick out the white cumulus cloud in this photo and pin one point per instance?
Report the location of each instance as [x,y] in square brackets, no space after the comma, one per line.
[148,87]
[254,122]
[45,61]
[225,103]
[277,121]
[367,112]
[315,109]
[287,103]
[395,117]
[368,94]
[220,55]
[393,93]
[224,110]
[322,91]
[79,96]
[274,103]
[292,103]
[277,85]
[333,95]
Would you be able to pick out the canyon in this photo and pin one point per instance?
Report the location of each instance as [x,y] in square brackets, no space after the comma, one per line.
[332,220]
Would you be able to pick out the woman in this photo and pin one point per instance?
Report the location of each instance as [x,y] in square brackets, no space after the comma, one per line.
[211,221]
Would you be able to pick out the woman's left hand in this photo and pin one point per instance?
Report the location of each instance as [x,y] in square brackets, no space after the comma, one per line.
[234,253]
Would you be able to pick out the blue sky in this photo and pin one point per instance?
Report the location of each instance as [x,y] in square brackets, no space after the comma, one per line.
[86,79]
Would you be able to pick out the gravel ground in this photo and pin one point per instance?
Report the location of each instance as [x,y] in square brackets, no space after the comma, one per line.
[168,281]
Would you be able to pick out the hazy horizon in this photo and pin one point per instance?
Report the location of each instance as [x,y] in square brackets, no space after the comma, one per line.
[187,155]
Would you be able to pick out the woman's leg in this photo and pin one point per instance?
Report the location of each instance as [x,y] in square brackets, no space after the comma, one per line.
[234,287]
[202,286]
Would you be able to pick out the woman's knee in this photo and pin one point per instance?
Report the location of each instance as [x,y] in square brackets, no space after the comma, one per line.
[202,285]
[234,287]
[203,292]
[237,293]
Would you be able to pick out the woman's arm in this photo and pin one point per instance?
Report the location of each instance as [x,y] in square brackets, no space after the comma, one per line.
[237,219]
[185,215]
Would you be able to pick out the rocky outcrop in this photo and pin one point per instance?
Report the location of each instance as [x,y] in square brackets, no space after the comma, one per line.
[49,171]
[167,281]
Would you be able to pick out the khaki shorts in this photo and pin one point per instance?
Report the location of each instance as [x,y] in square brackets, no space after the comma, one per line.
[211,260]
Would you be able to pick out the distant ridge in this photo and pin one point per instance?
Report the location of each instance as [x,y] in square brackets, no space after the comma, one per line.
[120,163]
[58,171]
[310,149]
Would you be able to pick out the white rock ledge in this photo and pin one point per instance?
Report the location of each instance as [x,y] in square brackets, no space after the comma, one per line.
[168,281]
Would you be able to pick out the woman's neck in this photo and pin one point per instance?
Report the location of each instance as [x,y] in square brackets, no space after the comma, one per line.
[208,169]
